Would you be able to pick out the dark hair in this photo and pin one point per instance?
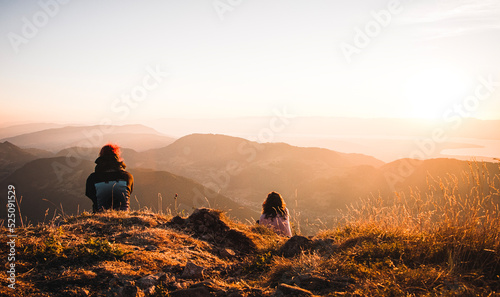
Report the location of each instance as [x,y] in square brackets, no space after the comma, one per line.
[274,205]
[110,149]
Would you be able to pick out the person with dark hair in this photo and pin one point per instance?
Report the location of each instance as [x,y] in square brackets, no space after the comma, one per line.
[275,214]
[109,186]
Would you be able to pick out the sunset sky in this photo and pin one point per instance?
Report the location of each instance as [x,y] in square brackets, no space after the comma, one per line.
[131,61]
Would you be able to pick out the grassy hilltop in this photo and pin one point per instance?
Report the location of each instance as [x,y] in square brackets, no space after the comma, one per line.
[430,242]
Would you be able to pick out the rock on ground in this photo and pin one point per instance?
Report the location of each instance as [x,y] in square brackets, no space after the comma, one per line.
[209,225]
[295,246]
[193,271]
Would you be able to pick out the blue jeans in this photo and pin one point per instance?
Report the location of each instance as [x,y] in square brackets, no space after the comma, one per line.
[112,194]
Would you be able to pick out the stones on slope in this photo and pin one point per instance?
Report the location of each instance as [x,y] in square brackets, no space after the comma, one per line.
[150,247]
[298,244]
[177,220]
[209,225]
[193,271]
[130,290]
[226,253]
[152,280]
[144,286]
[295,246]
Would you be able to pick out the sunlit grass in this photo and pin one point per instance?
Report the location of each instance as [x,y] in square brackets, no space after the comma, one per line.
[443,240]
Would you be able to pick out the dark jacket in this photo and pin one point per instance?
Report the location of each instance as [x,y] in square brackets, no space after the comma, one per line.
[110,185]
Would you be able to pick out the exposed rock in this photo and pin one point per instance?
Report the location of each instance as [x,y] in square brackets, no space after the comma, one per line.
[326,245]
[209,225]
[130,290]
[151,248]
[226,253]
[285,290]
[295,246]
[177,220]
[150,281]
[192,271]
[240,241]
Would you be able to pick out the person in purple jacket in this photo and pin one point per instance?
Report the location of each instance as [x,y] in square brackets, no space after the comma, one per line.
[275,215]
[109,186]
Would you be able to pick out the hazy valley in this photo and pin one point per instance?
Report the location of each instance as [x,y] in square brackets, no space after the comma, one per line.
[49,169]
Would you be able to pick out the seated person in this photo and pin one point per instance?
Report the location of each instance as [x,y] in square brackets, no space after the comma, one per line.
[110,186]
[275,214]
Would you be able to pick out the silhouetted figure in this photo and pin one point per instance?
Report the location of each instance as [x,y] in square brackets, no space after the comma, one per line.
[275,214]
[110,185]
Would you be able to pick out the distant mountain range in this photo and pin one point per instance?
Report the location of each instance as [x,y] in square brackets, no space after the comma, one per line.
[49,186]
[16,130]
[213,170]
[136,137]
[386,139]
[246,171]
[12,158]
[334,126]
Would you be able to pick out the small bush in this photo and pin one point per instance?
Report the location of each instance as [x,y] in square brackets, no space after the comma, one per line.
[260,263]
[98,249]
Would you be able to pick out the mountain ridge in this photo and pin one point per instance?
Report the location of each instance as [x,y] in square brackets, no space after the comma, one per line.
[315,182]
[49,186]
[56,139]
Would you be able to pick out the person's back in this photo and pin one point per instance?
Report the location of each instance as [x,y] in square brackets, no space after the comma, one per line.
[110,185]
[275,214]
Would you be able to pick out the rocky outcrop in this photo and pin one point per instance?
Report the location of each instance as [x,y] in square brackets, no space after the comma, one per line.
[295,246]
[209,225]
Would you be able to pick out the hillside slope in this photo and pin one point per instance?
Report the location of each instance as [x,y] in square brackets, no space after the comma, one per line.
[206,254]
[50,187]
[12,158]
[246,171]
[232,174]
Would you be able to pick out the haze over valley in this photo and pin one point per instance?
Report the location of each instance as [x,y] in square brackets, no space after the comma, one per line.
[49,168]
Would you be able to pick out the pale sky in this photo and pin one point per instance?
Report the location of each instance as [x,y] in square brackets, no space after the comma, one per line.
[79,61]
